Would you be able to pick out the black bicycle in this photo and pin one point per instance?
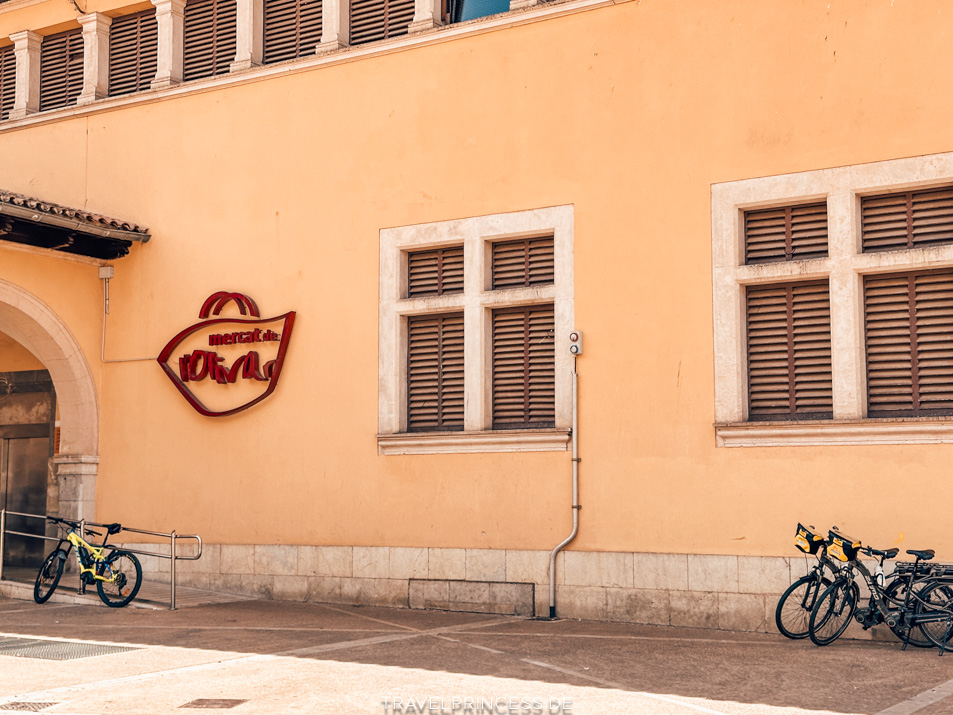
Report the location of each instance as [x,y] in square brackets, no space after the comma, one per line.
[795,605]
[915,607]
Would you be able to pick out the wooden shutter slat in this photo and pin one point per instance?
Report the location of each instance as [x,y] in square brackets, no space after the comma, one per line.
[789,352]
[909,342]
[907,220]
[61,69]
[373,20]
[435,272]
[8,78]
[435,372]
[523,373]
[524,262]
[133,52]
[292,29]
[786,233]
[210,37]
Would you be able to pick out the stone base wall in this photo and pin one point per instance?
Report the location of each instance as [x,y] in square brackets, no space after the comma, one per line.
[736,593]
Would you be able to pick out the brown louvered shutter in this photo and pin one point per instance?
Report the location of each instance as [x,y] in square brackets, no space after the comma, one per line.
[292,29]
[526,262]
[373,20]
[909,332]
[435,272]
[209,37]
[907,220]
[435,372]
[8,80]
[524,377]
[133,52]
[787,233]
[789,352]
[61,69]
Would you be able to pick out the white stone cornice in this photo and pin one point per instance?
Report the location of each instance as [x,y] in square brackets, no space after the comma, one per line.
[170,18]
[26,48]
[95,57]
[819,433]
[463,442]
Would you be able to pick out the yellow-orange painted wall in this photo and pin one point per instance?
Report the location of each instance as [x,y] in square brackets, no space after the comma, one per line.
[15,358]
[278,188]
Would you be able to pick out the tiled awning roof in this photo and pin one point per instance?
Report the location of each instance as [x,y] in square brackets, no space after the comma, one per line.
[47,225]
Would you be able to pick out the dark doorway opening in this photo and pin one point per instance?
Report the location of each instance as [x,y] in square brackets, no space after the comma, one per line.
[27,433]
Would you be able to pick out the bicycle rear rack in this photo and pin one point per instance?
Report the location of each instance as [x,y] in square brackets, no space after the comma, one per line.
[173,537]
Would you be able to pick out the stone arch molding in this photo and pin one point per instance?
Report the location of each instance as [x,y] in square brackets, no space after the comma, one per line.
[33,324]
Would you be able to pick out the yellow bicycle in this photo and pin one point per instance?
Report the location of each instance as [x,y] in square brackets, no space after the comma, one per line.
[116,573]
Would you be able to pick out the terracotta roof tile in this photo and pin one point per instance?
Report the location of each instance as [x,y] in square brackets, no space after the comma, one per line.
[94,219]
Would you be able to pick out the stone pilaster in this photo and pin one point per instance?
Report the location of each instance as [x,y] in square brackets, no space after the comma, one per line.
[336,26]
[249,35]
[427,15]
[170,16]
[26,48]
[95,57]
[76,478]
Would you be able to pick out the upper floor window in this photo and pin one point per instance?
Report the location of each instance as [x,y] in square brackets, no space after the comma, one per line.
[210,27]
[61,69]
[373,20]
[292,28]
[463,10]
[133,48]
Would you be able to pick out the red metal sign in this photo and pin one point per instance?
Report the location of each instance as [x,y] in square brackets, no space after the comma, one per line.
[226,365]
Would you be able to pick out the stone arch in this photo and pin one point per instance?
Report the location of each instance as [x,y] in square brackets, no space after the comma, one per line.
[34,325]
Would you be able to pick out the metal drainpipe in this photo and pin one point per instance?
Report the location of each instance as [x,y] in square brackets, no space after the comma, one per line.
[575,491]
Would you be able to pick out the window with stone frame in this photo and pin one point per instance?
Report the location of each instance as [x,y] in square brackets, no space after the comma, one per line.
[471,316]
[877,302]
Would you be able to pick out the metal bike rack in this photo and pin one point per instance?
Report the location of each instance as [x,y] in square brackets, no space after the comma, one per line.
[172,537]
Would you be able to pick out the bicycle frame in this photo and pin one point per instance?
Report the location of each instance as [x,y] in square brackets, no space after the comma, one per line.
[906,616]
[88,557]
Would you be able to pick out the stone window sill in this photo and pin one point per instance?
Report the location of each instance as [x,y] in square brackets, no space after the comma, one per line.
[822,433]
[471,442]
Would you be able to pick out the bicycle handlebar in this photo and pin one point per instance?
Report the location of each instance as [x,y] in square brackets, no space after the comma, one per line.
[72,524]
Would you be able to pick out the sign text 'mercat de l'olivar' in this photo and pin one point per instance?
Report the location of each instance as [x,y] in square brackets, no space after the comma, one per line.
[200,364]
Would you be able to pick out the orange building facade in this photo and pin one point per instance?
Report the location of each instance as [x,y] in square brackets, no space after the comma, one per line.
[742,206]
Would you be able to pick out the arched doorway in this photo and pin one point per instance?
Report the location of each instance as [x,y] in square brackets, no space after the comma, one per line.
[34,325]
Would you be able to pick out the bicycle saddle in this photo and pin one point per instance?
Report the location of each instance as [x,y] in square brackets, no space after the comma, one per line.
[926,555]
[113,528]
[888,554]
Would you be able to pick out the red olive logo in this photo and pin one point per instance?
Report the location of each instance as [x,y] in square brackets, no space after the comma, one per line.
[225,365]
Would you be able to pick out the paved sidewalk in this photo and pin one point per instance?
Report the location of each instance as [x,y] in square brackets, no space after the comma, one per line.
[272,657]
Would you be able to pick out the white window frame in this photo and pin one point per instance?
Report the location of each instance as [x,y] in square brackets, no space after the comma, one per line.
[477,303]
[845,268]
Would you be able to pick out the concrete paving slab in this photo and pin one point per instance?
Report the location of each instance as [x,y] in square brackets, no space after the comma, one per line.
[317,658]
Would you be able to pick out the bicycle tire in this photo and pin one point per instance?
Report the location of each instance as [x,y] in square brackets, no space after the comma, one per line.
[895,589]
[833,612]
[795,605]
[939,596]
[48,577]
[128,572]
